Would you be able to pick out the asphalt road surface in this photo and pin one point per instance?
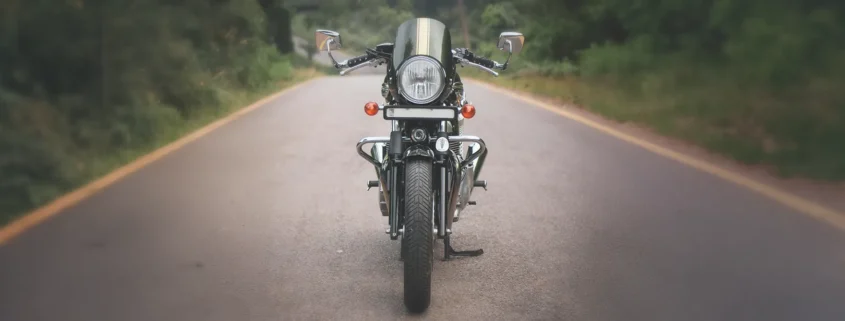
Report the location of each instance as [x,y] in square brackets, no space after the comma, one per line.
[267,218]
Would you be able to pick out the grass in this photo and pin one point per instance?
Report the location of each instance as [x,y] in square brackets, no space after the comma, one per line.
[91,166]
[774,130]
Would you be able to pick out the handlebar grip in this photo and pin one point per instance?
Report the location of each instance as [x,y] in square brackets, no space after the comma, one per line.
[484,62]
[352,62]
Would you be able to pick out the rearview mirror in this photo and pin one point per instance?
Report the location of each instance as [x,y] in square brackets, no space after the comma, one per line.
[511,42]
[328,40]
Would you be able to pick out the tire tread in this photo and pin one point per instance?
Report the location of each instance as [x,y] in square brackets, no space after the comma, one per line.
[418,235]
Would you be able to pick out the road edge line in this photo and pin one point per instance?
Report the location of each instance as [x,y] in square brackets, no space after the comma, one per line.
[29,220]
[803,205]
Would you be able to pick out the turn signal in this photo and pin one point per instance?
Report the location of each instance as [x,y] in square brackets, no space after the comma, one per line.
[468,111]
[371,108]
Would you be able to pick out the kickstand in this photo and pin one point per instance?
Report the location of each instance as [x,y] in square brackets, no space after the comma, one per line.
[449,252]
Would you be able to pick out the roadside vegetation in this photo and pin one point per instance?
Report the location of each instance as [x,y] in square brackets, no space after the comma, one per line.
[760,81]
[87,86]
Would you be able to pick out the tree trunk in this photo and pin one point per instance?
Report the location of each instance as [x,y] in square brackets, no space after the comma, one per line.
[284,35]
[104,58]
[279,27]
[464,25]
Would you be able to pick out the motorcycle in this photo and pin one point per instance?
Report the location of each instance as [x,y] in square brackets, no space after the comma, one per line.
[425,178]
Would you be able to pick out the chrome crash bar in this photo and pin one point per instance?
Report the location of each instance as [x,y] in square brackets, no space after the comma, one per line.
[472,139]
[460,138]
[370,140]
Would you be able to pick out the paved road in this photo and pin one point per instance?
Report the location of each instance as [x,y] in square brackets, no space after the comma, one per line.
[267,218]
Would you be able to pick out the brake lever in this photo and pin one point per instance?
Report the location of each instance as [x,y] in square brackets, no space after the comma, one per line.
[373,63]
[464,61]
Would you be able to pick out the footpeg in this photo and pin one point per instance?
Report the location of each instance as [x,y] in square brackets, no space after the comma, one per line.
[372,184]
[471,203]
[482,184]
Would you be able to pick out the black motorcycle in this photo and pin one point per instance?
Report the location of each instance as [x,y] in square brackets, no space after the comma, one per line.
[425,178]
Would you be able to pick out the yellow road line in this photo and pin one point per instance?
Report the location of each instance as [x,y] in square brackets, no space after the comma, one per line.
[798,203]
[41,214]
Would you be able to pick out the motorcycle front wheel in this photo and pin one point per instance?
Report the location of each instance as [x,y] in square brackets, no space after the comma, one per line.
[418,236]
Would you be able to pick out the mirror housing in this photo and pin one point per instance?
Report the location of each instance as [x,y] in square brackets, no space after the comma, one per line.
[511,42]
[328,40]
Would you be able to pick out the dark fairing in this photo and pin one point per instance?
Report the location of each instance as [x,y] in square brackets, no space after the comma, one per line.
[423,36]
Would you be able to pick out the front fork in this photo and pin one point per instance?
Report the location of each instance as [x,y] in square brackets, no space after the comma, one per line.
[447,199]
[393,202]
[396,149]
[440,164]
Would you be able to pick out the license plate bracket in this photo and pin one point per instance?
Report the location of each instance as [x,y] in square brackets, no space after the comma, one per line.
[420,113]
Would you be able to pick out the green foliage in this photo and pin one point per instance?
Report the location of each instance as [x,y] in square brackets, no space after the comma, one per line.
[87,85]
[759,80]
[364,23]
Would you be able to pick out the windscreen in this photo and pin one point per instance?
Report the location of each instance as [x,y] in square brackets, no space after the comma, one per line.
[423,36]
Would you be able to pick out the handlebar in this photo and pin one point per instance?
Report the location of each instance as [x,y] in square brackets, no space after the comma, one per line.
[485,62]
[462,56]
[352,62]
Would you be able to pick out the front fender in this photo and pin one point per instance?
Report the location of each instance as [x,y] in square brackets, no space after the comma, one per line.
[419,151]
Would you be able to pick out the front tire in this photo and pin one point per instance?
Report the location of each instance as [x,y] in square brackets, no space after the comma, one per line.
[418,237]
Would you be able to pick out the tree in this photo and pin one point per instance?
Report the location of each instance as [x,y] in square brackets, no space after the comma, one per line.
[278,24]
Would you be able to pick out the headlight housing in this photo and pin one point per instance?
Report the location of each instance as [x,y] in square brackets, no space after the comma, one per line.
[421,79]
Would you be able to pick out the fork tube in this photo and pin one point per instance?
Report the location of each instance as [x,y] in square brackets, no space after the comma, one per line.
[394,199]
[395,153]
[441,157]
[442,211]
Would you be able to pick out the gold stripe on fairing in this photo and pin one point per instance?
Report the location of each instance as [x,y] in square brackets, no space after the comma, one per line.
[423,36]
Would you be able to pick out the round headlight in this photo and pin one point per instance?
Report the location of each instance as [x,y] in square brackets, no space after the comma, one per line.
[421,80]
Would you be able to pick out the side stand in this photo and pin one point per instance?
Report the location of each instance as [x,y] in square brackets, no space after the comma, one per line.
[449,252]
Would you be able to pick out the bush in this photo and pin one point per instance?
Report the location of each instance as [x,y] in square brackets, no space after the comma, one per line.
[89,85]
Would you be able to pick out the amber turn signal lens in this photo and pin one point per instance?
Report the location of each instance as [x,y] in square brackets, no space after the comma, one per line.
[371,108]
[468,111]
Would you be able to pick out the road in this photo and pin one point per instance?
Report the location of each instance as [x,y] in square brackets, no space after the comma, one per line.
[267,218]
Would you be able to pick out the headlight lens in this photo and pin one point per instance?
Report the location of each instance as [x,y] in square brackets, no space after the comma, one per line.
[421,80]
